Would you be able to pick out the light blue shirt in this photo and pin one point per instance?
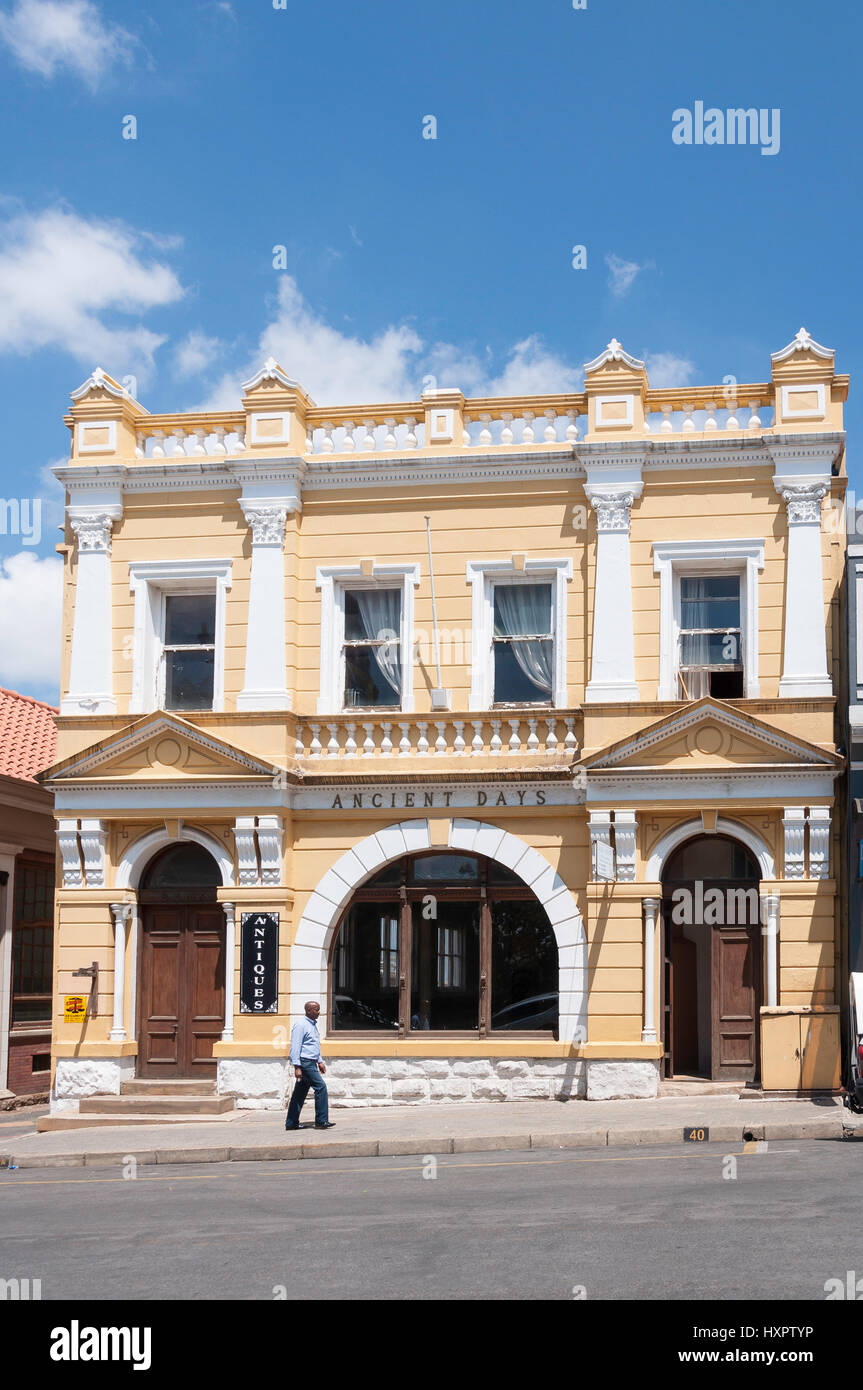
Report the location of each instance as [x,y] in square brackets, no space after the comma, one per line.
[305,1042]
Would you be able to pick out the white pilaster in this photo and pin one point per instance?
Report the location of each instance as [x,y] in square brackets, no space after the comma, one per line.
[264,687]
[230,969]
[804,671]
[612,666]
[91,686]
[650,907]
[794,823]
[819,842]
[770,932]
[121,912]
[624,845]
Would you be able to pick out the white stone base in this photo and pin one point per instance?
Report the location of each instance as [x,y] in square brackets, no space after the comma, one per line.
[262,1084]
[622,1080]
[88,1076]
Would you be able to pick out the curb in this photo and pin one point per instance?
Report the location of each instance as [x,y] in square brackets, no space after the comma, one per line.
[599,1138]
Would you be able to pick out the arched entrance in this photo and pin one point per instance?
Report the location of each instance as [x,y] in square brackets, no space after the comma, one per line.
[444,943]
[712,959]
[181,965]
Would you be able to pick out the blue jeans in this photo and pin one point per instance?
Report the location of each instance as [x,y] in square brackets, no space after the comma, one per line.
[311,1077]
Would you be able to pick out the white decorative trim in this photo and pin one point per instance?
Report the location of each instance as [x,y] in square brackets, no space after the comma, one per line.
[92,835]
[138,855]
[271,831]
[650,908]
[689,829]
[91,681]
[819,841]
[482,576]
[613,353]
[794,826]
[230,912]
[99,381]
[792,412]
[150,581]
[625,840]
[671,559]
[599,830]
[804,669]
[802,501]
[309,954]
[70,854]
[801,342]
[262,441]
[144,732]
[109,447]
[271,371]
[770,931]
[624,421]
[247,858]
[333,580]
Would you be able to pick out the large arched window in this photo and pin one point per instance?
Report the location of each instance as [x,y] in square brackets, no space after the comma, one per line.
[444,943]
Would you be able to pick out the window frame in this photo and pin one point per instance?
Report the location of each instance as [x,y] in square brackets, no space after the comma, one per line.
[151,582]
[673,560]
[31,860]
[483,576]
[334,581]
[405,894]
[682,631]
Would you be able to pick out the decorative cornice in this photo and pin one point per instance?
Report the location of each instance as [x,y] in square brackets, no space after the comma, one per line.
[613,353]
[802,342]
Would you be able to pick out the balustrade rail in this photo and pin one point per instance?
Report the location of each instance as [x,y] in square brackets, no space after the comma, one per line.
[364,737]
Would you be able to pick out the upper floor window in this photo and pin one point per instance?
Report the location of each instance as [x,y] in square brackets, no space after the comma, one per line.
[710,660]
[188,651]
[371,649]
[523,644]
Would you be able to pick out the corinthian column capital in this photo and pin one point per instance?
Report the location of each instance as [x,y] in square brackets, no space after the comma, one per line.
[612,509]
[803,502]
[266,521]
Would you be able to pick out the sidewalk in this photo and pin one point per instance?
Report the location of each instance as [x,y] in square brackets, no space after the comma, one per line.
[439,1129]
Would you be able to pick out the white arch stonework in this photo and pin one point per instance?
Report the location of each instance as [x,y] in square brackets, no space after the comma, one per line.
[680,833]
[310,952]
[139,854]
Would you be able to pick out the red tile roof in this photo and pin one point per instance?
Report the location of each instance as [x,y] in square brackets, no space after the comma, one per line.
[28,735]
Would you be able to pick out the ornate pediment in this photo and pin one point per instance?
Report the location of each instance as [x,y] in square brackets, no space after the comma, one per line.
[710,735]
[159,748]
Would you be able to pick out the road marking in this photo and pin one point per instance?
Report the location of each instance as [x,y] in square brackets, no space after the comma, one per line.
[333,1172]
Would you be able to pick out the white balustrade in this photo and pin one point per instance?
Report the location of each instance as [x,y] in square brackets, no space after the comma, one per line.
[529,735]
[181,442]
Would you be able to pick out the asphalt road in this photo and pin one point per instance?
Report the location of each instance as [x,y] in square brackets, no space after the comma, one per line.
[638,1224]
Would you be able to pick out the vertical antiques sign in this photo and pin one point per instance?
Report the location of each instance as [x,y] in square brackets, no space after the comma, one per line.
[259,963]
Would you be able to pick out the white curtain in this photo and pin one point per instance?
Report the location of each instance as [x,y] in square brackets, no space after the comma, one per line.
[380,615]
[523,608]
[695,646]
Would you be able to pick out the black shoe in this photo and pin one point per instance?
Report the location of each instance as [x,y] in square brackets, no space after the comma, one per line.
[292,1126]
[329,1124]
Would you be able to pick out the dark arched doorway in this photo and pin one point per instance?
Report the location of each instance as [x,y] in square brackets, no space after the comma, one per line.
[181,969]
[445,944]
[712,960]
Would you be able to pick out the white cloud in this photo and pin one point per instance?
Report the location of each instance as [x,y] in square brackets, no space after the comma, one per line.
[62,278]
[622,274]
[30,600]
[196,353]
[668,369]
[45,35]
[339,369]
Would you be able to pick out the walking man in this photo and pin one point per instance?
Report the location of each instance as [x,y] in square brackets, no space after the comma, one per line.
[308,1070]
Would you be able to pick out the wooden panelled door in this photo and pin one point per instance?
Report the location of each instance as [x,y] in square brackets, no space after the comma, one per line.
[182,989]
[735,973]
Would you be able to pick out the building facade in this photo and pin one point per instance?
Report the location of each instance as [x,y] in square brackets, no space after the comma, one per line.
[502,727]
[28,744]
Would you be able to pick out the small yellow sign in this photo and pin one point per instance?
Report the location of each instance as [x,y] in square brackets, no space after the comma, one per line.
[74,1008]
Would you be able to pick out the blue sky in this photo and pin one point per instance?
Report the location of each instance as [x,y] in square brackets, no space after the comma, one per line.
[302,127]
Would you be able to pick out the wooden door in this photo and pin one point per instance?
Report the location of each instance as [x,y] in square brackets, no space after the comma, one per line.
[735,973]
[182,989]
[685,1017]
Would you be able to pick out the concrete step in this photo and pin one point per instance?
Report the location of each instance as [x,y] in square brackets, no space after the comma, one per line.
[147,1087]
[46,1123]
[155,1105]
[696,1086]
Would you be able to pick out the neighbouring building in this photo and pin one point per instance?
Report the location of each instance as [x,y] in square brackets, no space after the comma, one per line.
[28,846]
[852,694]
[562,824]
